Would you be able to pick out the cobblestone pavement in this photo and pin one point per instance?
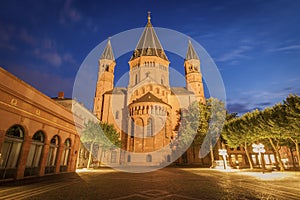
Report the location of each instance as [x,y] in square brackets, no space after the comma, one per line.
[167,183]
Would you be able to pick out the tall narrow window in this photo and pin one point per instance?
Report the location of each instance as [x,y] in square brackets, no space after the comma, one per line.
[65,156]
[114,157]
[10,151]
[132,128]
[117,115]
[52,154]
[136,79]
[34,155]
[149,127]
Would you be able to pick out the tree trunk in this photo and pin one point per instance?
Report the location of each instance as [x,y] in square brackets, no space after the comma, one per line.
[101,155]
[277,154]
[211,154]
[294,164]
[295,141]
[248,156]
[298,154]
[90,155]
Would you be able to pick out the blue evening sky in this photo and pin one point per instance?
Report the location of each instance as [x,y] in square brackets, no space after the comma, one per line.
[255,44]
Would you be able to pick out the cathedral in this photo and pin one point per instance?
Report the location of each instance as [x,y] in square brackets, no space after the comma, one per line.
[146,112]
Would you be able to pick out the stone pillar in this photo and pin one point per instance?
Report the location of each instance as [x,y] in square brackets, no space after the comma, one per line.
[2,138]
[74,152]
[44,158]
[58,158]
[23,157]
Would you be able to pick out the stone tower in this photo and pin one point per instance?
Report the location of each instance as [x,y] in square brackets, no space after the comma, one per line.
[105,80]
[193,74]
[147,97]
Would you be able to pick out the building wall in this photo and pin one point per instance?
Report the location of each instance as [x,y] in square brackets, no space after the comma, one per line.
[23,105]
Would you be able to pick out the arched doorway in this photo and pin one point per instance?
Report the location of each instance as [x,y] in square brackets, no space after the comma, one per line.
[65,156]
[51,159]
[10,151]
[34,155]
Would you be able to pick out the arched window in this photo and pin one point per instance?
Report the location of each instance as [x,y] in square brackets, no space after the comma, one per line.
[52,154]
[149,158]
[168,158]
[10,151]
[114,157]
[149,127]
[128,158]
[34,155]
[65,156]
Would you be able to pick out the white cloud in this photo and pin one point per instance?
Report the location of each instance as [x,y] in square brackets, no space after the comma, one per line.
[287,48]
[235,54]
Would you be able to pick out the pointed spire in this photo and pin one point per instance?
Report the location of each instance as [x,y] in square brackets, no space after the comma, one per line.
[108,53]
[149,44]
[191,53]
[149,17]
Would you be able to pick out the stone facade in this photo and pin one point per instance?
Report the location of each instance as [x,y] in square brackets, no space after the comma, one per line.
[146,111]
[37,135]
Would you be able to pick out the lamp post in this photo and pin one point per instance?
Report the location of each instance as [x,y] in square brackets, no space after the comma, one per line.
[259,148]
[223,153]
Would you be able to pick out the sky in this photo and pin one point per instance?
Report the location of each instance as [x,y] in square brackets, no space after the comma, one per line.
[255,44]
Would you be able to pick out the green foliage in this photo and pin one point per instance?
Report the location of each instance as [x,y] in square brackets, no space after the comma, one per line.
[199,122]
[272,126]
[103,134]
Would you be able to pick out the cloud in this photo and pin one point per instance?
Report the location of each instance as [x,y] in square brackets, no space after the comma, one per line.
[6,36]
[286,48]
[27,38]
[47,82]
[69,58]
[237,107]
[51,57]
[69,13]
[234,54]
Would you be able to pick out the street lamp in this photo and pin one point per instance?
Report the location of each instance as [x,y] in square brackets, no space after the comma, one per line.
[223,153]
[259,148]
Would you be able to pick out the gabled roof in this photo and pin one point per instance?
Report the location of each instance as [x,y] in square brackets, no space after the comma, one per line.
[191,53]
[149,97]
[149,44]
[180,91]
[117,90]
[108,53]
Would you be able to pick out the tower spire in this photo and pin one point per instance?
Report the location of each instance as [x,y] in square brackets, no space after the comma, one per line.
[149,17]
[108,53]
[191,53]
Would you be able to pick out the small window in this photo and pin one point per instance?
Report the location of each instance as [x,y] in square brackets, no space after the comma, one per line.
[168,158]
[128,158]
[117,114]
[149,158]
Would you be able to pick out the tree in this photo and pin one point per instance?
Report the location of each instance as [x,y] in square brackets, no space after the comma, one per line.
[102,134]
[240,132]
[292,118]
[90,135]
[216,118]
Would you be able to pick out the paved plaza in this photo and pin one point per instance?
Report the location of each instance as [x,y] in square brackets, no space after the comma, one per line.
[168,183]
